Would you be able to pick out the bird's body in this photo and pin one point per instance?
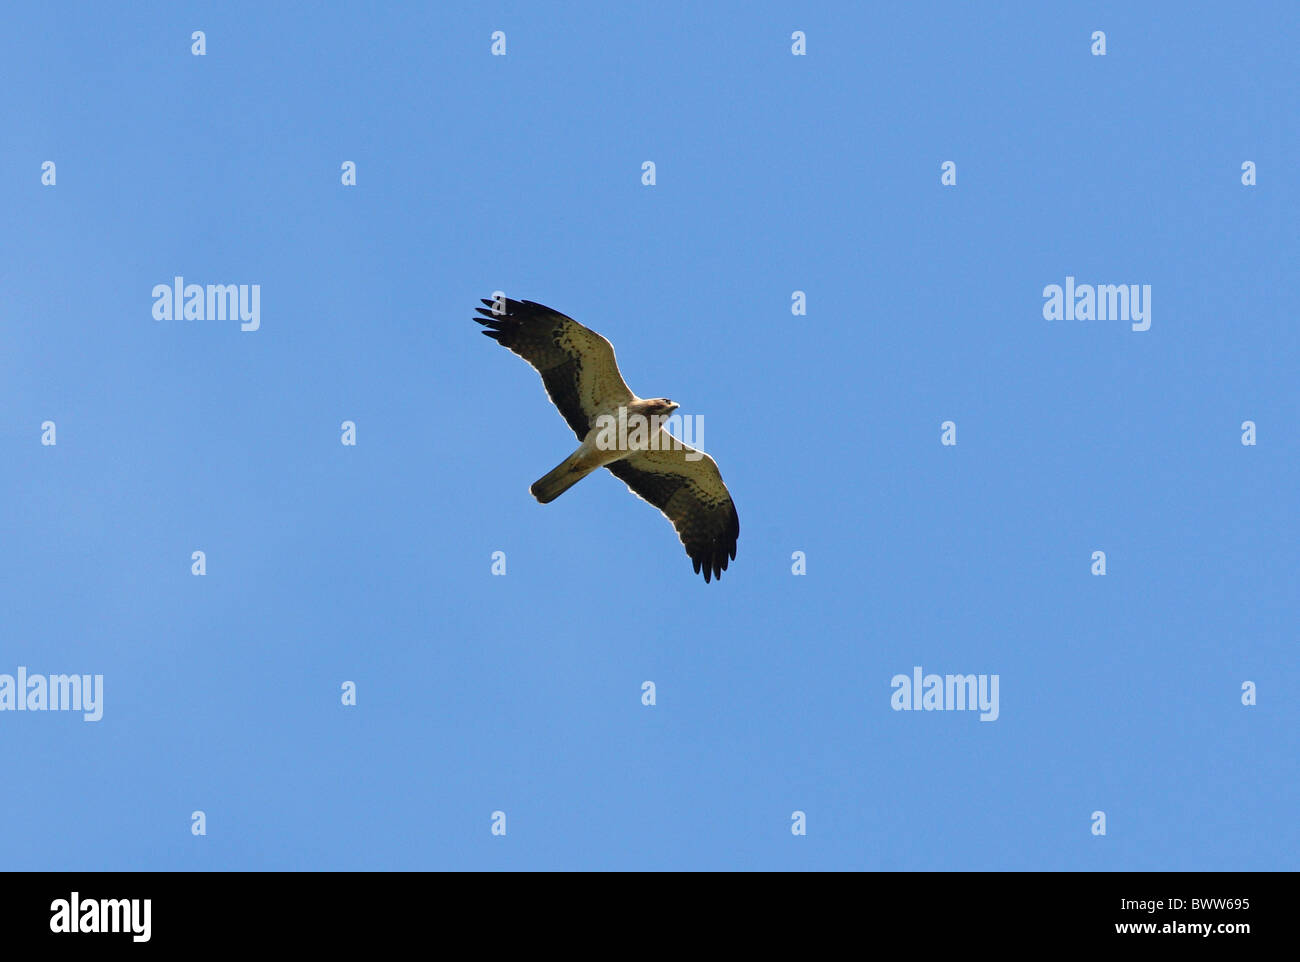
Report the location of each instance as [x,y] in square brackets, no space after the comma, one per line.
[618,430]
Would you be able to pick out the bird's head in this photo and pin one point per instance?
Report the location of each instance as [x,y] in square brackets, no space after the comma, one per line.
[660,406]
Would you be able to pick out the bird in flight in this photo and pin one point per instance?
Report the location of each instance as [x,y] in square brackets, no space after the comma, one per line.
[581,377]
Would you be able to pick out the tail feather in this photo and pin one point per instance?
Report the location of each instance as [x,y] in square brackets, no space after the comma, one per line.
[564,476]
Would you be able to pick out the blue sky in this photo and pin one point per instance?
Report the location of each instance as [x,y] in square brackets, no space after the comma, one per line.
[774,173]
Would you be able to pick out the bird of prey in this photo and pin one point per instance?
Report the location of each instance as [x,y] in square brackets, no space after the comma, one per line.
[581,377]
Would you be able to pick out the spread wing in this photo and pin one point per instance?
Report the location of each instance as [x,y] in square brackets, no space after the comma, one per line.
[691,495]
[576,364]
